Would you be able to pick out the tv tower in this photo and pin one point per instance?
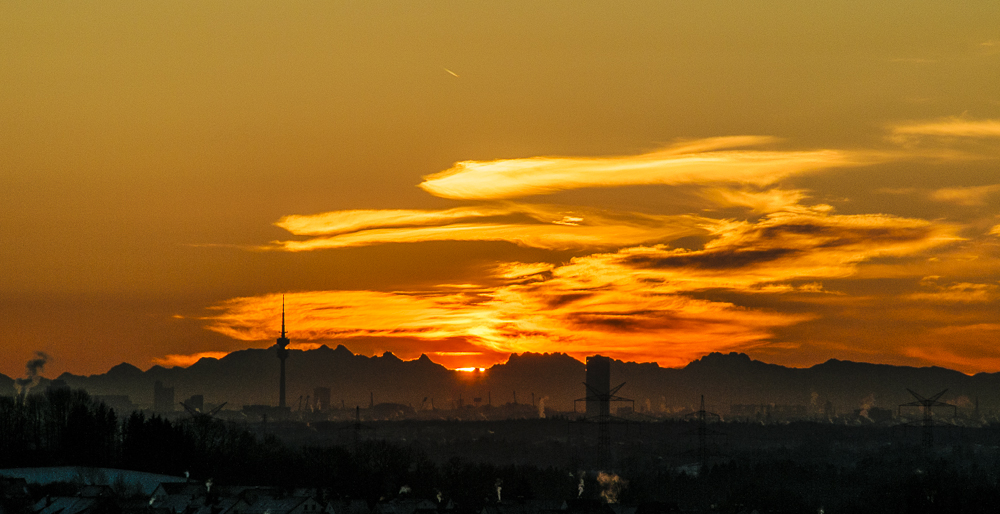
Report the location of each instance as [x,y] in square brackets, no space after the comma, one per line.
[282,355]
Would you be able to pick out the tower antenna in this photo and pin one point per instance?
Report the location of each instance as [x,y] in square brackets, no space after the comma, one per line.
[282,355]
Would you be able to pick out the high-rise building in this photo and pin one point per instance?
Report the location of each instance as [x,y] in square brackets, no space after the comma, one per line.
[598,386]
[163,398]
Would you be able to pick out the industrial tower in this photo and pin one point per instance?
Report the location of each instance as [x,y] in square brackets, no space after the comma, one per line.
[600,394]
[282,355]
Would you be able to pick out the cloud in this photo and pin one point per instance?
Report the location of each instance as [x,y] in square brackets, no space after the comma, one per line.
[341,222]
[185,360]
[959,347]
[948,127]
[995,231]
[772,200]
[705,161]
[959,292]
[536,226]
[535,236]
[969,196]
[788,246]
[634,302]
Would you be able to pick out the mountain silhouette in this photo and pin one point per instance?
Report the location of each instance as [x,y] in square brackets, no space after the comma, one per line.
[250,376]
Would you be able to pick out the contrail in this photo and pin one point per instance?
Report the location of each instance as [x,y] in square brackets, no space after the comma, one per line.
[452,72]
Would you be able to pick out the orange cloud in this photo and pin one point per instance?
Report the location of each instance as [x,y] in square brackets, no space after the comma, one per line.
[554,237]
[184,361]
[959,347]
[949,127]
[969,196]
[537,226]
[773,200]
[339,222]
[961,292]
[704,161]
[633,302]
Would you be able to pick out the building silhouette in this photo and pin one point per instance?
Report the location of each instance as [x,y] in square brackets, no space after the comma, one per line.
[163,398]
[282,355]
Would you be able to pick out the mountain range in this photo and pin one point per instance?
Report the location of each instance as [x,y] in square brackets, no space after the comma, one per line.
[250,376]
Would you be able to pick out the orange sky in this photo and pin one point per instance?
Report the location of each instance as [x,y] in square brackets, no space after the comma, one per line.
[797,181]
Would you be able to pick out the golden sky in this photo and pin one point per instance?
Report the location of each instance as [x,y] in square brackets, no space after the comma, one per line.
[652,181]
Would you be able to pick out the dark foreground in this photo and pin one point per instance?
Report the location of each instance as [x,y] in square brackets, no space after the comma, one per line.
[537,465]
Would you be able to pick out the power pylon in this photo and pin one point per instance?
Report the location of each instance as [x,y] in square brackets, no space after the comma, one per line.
[703,432]
[927,421]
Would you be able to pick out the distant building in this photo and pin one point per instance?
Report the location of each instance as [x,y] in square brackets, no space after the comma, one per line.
[163,398]
[598,386]
[196,402]
[768,412]
[321,397]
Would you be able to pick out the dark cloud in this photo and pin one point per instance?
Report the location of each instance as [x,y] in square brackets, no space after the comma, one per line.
[711,259]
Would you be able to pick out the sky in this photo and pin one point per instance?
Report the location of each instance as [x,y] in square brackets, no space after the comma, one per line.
[653,181]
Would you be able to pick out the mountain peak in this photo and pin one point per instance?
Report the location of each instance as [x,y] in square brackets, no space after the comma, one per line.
[124,370]
[732,360]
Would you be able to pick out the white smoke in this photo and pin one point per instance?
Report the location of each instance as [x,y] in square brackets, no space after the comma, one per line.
[541,407]
[866,404]
[611,486]
[499,486]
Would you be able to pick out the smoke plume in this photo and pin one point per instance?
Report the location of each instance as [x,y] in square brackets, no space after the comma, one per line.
[611,486]
[32,370]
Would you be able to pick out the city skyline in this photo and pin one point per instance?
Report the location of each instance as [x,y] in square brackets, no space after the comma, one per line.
[795,182]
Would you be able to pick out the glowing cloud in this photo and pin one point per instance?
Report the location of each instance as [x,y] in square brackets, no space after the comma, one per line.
[949,127]
[187,360]
[632,303]
[557,237]
[537,226]
[961,292]
[697,162]
[340,222]
[969,196]
[959,347]
[772,200]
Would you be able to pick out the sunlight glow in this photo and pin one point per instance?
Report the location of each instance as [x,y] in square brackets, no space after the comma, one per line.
[713,160]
